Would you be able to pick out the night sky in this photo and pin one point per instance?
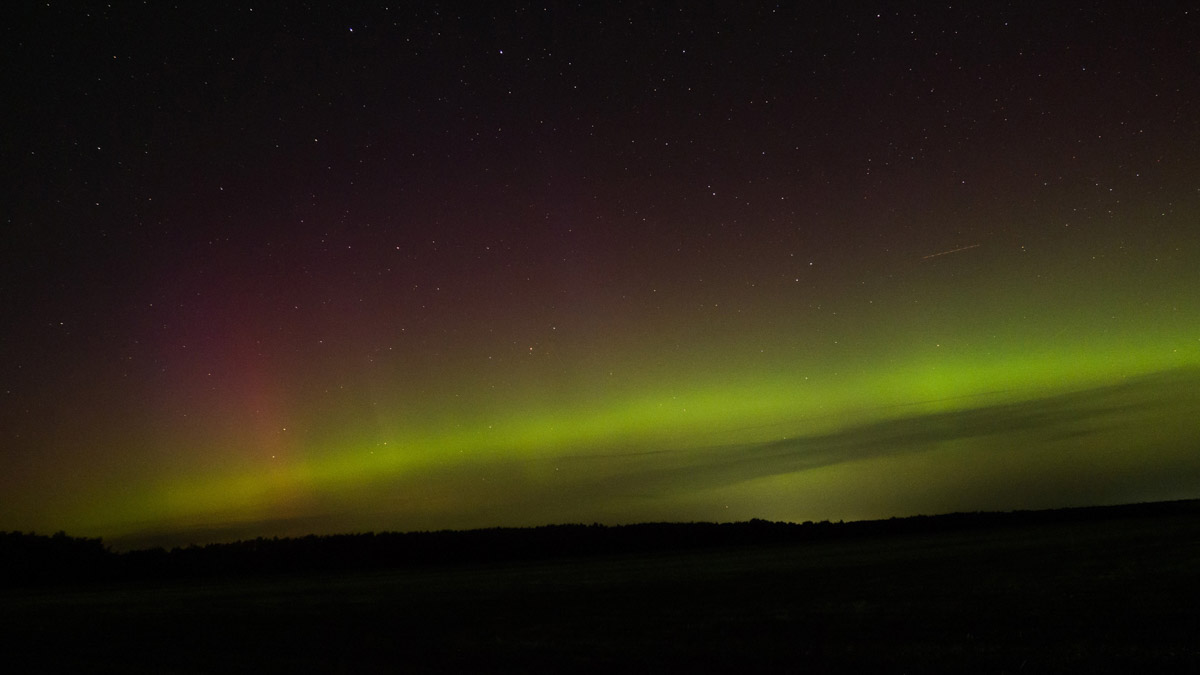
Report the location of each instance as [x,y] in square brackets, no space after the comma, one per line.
[322,269]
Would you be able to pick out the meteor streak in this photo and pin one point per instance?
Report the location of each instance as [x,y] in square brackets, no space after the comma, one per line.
[953,250]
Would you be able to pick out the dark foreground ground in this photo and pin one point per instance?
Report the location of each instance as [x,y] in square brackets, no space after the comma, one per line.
[1114,595]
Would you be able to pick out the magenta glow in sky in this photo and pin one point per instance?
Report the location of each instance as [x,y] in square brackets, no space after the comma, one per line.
[331,269]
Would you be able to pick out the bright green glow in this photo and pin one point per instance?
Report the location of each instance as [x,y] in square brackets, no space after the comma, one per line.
[704,411]
[677,422]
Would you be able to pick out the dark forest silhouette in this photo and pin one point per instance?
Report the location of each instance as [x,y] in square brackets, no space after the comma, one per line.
[28,559]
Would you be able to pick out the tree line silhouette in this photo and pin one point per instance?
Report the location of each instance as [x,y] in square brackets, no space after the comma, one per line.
[28,559]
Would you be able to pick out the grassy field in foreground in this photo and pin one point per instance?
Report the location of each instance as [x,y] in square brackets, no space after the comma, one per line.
[1114,595]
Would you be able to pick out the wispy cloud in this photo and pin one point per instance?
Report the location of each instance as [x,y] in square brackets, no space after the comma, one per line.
[1136,406]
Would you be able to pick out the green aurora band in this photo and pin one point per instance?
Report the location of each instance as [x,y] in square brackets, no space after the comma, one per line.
[520,455]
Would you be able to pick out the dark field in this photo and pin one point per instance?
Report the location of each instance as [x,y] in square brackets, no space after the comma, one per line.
[1110,595]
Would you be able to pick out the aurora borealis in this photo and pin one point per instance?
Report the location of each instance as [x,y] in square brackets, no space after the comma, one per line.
[331,269]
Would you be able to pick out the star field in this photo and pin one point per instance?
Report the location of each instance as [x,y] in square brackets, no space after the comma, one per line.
[275,271]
